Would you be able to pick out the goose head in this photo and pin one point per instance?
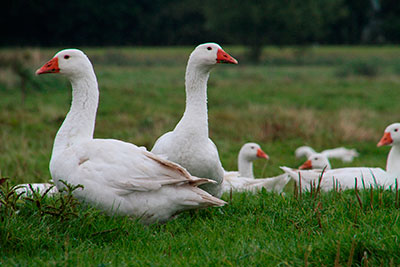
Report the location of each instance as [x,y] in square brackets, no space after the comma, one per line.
[316,161]
[252,151]
[391,135]
[209,54]
[69,62]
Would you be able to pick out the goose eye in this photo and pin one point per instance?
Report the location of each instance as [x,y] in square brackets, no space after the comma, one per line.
[209,48]
[252,147]
[396,130]
[315,158]
[66,57]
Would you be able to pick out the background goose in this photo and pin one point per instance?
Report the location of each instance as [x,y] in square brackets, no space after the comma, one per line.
[316,161]
[391,137]
[189,144]
[243,180]
[345,154]
[366,177]
[118,177]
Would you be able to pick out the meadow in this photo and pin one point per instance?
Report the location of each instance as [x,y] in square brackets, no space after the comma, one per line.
[319,96]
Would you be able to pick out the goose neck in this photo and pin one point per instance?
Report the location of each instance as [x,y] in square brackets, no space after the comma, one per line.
[245,167]
[195,118]
[393,161]
[80,121]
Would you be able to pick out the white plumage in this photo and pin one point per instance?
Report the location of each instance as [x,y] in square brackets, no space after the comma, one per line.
[118,177]
[316,161]
[243,180]
[346,178]
[189,144]
[41,188]
[345,154]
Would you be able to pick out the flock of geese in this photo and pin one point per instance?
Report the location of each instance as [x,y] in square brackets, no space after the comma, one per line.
[183,170]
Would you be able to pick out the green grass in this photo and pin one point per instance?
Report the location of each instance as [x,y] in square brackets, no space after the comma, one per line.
[263,228]
[294,97]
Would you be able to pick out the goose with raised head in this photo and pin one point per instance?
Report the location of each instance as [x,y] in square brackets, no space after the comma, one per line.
[189,144]
[243,180]
[118,177]
[391,137]
[248,153]
[345,154]
[364,177]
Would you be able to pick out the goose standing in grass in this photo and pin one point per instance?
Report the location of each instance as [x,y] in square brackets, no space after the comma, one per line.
[345,154]
[118,177]
[189,144]
[243,180]
[344,178]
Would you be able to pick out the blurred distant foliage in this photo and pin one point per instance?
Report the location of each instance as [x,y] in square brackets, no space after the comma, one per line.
[184,22]
[280,22]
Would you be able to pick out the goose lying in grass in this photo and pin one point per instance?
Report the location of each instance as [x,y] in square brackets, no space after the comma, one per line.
[364,177]
[316,161]
[345,154]
[188,144]
[118,177]
[243,180]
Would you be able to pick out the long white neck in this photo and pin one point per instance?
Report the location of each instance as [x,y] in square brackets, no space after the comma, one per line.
[195,120]
[80,121]
[393,160]
[245,167]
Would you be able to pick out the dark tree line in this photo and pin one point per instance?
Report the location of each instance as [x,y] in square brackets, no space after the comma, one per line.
[186,22]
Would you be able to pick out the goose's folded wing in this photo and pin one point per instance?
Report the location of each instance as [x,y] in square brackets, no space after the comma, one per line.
[127,168]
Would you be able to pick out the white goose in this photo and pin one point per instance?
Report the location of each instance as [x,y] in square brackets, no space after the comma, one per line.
[391,137]
[189,144]
[243,180]
[366,177]
[345,154]
[118,177]
[316,161]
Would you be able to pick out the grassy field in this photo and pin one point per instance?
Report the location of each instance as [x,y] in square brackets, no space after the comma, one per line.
[320,96]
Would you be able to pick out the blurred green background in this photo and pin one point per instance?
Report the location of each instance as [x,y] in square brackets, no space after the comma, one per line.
[320,96]
[317,72]
[184,22]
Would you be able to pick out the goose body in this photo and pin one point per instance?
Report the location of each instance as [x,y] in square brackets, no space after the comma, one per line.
[346,178]
[189,144]
[345,154]
[239,184]
[243,180]
[343,178]
[118,177]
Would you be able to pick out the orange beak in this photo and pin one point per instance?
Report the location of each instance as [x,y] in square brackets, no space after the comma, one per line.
[306,165]
[223,57]
[386,139]
[50,67]
[262,154]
